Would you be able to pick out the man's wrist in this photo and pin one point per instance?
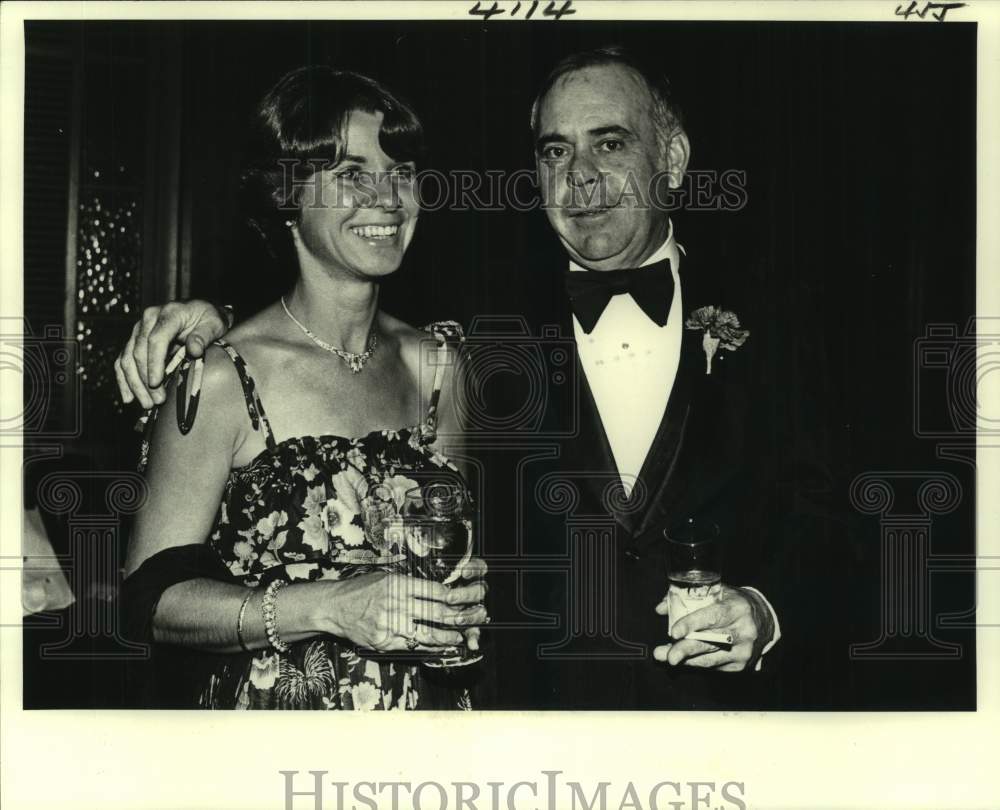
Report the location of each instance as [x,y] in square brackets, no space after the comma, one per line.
[766,621]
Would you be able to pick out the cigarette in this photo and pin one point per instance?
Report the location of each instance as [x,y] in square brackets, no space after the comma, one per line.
[199,371]
[711,636]
[174,362]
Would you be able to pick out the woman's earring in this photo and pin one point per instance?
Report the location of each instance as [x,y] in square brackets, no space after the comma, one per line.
[289,223]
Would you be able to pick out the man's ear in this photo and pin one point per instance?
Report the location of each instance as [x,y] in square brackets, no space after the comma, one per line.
[677,157]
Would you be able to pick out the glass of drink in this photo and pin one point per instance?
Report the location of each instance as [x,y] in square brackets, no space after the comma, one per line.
[693,567]
[438,524]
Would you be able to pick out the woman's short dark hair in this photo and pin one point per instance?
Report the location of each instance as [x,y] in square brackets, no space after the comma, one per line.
[300,128]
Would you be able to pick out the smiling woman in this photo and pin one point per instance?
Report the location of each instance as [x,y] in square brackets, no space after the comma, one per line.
[333,151]
[245,502]
[362,218]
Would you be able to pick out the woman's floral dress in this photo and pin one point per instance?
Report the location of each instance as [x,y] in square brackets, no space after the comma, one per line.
[303,510]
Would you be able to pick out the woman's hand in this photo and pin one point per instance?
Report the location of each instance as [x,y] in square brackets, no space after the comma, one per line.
[472,572]
[393,612]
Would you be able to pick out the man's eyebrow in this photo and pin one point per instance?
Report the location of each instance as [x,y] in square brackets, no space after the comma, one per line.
[613,129]
[351,159]
[547,138]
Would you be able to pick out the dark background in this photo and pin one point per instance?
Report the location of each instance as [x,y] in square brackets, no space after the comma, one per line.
[858,143]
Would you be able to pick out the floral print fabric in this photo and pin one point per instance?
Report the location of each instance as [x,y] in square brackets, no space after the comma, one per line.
[311,508]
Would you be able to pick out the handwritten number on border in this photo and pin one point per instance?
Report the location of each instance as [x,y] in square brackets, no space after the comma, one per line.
[937,10]
[554,9]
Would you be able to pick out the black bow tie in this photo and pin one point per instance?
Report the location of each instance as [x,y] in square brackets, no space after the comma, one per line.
[652,288]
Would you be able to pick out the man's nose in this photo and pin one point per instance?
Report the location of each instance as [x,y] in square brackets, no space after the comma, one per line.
[582,171]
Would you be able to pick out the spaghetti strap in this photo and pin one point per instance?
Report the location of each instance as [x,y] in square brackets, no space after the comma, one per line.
[449,335]
[255,408]
[189,376]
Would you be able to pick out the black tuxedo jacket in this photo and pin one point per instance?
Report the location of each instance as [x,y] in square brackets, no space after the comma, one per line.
[576,625]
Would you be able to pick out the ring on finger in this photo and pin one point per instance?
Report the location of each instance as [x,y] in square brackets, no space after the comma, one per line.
[411,636]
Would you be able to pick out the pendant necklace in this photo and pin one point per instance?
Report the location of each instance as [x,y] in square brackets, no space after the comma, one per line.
[355,361]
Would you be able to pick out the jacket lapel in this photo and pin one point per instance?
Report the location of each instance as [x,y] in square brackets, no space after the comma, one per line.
[699,444]
[659,468]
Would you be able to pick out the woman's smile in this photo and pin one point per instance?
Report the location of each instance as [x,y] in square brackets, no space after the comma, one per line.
[375,234]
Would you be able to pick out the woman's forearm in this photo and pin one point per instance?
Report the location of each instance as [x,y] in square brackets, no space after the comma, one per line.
[379,611]
[203,614]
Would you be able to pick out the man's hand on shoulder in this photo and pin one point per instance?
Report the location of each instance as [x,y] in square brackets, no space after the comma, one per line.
[140,367]
[740,612]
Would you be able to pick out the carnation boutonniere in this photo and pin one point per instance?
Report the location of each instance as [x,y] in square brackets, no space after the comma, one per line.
[721,328]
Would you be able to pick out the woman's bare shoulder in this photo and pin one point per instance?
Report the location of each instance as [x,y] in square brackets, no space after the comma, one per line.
[393,327]
[216,384]
[258,327]
[201,416]
[261,339]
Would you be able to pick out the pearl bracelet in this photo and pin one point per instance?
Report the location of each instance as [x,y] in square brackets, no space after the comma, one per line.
[270,613]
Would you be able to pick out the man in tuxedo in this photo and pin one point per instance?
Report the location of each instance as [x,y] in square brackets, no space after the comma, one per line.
[651,441]
[654,444]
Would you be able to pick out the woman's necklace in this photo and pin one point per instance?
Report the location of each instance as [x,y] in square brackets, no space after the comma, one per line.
[355,361]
